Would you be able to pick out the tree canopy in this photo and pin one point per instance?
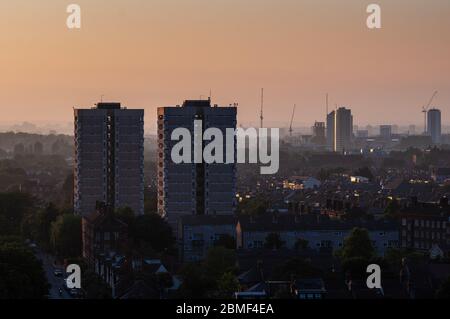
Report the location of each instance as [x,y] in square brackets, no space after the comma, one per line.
[66,236]
[358,244]
[21,273]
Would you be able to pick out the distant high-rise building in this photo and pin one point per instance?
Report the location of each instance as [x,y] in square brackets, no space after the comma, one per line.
[394,129]
[385,131]
[194,188]
[341,129]
[370,130]
[412,130]
[362,133]
[330,131]
[319,133]
[434,125]
[109,158]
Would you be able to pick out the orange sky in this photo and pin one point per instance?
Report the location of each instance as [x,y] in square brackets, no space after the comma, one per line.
[150,53]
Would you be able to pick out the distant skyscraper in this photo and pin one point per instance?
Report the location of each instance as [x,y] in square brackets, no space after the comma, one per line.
[319,133]
[194,188]
[412,130]
[434,125]
[330,131]
[339,129]
[370,130]
[109,158]
[386,131]
[362,134]
[343,129]
[394,129]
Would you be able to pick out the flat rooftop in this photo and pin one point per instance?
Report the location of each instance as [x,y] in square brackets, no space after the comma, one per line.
[108,105]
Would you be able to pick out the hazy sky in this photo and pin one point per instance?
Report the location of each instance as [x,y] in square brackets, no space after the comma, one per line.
[150,53]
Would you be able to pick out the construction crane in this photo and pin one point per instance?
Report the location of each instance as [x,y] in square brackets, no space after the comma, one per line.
[261,117]
[425,111]
[292,119]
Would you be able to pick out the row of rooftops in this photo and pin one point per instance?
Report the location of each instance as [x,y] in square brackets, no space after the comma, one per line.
[285,222]
[186,103]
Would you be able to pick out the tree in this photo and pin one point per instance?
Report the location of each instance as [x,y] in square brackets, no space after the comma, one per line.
[392,209]
[219,260]
[66,236]
[358,244]
[394,257]
[13,208]
[67,191]
[444,290]
[195,283]
[126,215]
[227,285]
[37,226]
[214,277]
[355,266]
[94,286]
[301,244]
[21,274]
[226,241]
[273,241]
[152,230]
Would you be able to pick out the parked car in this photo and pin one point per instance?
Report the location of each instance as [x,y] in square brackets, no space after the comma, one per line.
[75,293]
[58,272]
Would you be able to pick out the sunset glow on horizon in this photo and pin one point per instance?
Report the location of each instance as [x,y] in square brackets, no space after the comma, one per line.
[147,54]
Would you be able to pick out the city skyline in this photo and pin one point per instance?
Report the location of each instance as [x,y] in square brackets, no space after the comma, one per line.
[298,53]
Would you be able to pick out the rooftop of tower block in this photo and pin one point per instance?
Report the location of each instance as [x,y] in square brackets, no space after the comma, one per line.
[197,103]
[108,105]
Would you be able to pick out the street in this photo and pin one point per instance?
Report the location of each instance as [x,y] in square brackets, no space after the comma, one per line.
[55,282]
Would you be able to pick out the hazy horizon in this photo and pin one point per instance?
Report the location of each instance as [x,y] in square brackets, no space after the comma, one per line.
[150,54]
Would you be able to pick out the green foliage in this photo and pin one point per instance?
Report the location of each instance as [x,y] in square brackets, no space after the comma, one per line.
[220,260]
[94,286]
[226,241]
[392,209]
[212,278]
[196,284]
[273,241]
[358,244]
[356,266]
[227,285]
[126,215]
[21,274]
[37,226]
[296,268]
[151,230]
[13,208]
[66,236]
[394,257]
